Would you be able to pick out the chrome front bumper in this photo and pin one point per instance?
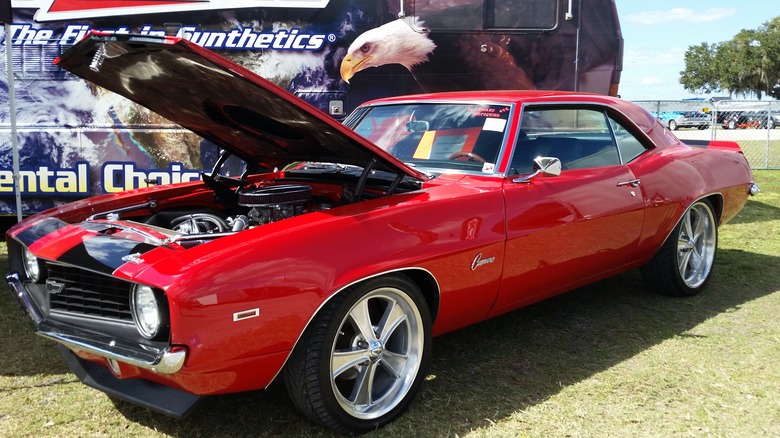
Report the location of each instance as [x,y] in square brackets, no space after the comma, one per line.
[163,361]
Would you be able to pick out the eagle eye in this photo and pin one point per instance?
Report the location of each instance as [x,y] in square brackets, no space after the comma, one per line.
[365,47]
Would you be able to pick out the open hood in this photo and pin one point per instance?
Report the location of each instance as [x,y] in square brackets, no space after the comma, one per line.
[221,101]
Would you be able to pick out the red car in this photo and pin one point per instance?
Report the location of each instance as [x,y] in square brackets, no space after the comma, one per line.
[328,256]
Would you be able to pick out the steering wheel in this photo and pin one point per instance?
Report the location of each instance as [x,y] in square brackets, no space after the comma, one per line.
[469,155]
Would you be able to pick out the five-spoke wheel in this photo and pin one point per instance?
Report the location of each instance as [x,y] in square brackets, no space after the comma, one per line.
[696,242]
[682,266]
[361,361]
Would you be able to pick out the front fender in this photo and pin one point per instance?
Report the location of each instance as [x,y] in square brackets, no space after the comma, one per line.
[253,293]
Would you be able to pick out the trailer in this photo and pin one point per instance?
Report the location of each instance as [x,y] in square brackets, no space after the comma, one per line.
[76,140]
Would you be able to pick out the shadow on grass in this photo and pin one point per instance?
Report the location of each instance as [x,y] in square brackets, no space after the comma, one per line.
[759,212]
[489,371]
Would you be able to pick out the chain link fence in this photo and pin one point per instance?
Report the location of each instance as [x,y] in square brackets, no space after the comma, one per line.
[754,125]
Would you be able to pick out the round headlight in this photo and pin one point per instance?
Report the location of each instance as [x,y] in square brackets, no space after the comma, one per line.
[146,311]
[31,266]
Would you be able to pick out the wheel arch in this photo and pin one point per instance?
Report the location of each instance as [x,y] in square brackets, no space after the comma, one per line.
[421,277]
[428,286]
[716,199]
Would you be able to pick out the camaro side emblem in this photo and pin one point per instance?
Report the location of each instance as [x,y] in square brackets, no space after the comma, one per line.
[133,258]
[54,287]
[479,261]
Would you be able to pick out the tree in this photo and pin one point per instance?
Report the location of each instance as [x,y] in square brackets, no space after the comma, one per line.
[747,64]
[700,73]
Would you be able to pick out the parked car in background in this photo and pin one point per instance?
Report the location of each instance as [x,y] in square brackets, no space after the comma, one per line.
[749,119]
[685,119]
[766,119]
[773,121]
[337,252]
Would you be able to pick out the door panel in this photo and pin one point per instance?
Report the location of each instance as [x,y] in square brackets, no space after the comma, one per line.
[564,230]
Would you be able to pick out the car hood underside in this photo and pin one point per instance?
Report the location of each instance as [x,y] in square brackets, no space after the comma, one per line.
[222,102]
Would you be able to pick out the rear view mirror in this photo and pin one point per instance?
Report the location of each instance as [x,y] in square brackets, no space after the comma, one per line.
[418,126]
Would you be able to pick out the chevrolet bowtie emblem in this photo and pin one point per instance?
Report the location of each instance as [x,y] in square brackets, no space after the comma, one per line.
[54,287]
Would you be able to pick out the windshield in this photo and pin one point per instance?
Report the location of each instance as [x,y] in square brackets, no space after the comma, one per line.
[464,137]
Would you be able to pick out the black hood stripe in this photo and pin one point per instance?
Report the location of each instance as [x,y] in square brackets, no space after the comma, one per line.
[36,231]
[103,253]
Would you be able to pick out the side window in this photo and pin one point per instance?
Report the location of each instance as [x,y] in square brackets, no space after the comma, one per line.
[530,15]
[629,146]
[580,137]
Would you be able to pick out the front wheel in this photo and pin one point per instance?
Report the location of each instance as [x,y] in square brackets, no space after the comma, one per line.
[672,125]
[362,359]
[683,264]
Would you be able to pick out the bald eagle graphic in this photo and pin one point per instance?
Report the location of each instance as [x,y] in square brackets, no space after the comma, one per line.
[436,66]
[393,43]
[456,45]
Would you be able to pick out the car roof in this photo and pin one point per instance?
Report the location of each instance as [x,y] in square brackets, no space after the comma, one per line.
[643,119]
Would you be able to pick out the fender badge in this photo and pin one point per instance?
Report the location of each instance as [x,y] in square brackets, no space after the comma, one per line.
[54,287]
[246,314]
[133,258]
[479,261]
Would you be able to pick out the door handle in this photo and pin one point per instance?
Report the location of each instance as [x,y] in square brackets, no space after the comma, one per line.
[632,183]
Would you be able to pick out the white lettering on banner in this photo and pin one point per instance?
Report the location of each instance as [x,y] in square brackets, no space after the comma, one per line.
[120,176]
[239,38]
[46,181]
[50,10]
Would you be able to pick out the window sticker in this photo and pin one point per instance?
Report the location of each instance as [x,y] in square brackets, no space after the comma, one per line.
[497,125]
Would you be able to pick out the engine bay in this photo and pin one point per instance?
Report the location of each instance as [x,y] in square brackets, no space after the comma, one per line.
[255,206]
[223,204]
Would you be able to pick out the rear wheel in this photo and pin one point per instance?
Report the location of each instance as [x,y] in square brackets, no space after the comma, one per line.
[672,125]
[362,359]
[683,264]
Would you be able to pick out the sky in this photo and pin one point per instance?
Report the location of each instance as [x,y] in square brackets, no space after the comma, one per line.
[657,33]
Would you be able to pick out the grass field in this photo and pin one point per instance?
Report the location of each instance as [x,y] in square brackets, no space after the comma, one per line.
[611,359]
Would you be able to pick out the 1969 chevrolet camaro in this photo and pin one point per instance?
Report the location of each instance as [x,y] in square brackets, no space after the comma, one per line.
[329,255]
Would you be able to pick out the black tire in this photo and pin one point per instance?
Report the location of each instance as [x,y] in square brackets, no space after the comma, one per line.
[672,125]
[390,365]
[683,265]
[731,125]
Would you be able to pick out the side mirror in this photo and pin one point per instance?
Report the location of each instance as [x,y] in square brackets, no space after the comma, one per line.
[547,166]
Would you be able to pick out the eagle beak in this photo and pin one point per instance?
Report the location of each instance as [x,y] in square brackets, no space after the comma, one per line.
[350,66]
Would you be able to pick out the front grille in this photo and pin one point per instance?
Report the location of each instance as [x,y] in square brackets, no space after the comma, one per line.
[89,293]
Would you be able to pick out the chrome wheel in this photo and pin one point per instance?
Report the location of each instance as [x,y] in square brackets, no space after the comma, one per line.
[362,359]
[377,353]
[696,245]
[683,264]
